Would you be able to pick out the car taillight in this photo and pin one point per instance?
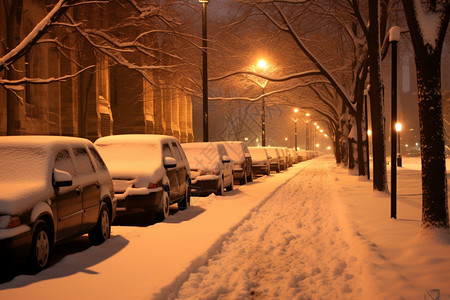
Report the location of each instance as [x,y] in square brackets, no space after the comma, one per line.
[152,185]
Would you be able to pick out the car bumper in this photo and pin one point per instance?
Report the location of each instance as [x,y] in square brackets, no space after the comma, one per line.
[260,169]
[205,186]
[15,249]
[137,202]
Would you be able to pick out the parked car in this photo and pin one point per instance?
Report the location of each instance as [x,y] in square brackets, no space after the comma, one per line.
[260,160]
[149,172]
[275,159]
[294,156]
[242,161]
[283,158]
[211,167]
[53,189]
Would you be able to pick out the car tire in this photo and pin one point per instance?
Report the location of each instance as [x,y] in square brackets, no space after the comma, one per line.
[220,188]
[230,187]
[186,201]
[41,248]
[278,170]
[250,177]
[268,171]
[102,230]
[163,211]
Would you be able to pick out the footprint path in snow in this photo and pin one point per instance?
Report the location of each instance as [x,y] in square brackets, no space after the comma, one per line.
[291,247]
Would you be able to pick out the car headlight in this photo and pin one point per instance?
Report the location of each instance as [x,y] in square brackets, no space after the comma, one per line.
[9,221]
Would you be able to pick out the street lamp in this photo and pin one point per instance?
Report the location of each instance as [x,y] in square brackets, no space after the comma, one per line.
[394,37]
[263,66]
[307,130]
[398,128]
[205,70]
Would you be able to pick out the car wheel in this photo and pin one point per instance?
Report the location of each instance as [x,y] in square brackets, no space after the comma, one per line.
[268,171]
[102,230]
[220,188]
[186,201]
[230,187]
[40,247]
[163,212]
[250,177]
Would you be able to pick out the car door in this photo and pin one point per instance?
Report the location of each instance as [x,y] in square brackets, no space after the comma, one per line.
[171,173]
[182,173]
[90,187]
[227,166]
[69,206]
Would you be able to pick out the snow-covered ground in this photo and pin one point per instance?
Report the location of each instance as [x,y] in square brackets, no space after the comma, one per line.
[312,232]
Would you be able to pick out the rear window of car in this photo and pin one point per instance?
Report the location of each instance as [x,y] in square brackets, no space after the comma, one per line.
[97,158]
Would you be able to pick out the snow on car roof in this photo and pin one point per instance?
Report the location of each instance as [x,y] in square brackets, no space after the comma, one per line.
[134,155]
[25,173]
[258,153]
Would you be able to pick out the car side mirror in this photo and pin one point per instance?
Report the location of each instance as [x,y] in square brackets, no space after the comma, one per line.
[247,155]
[61,178]
[170,162]
[226,159]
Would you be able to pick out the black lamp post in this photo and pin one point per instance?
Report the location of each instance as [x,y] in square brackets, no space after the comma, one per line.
[394,37]
[296,110]
[205,70]
[366,92]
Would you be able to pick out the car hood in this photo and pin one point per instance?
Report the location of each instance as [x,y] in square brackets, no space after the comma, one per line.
[142,172]
[17,197]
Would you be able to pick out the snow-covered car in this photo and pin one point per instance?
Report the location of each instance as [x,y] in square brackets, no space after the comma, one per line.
[283,158]
[53,189]
[275,159]
[150,172]
[242,161]
[294,156]
[211,167]
[260,160]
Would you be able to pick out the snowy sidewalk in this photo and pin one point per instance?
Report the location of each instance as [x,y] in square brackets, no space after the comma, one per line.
[291,247]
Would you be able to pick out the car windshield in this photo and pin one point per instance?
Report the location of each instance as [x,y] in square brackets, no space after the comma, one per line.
[22,163]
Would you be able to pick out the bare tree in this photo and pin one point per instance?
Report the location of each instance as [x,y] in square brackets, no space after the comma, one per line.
[428,24]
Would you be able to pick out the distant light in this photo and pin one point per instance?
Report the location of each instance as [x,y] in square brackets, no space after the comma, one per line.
[321,130]
[406,145]
[417,144]
[296,110]
[325,135]
[285,138]
[307,114]
[262,64]
[317,145]
[246,139]
[398,127]
[369,132]
[329,148]
[315,123]
[317,126]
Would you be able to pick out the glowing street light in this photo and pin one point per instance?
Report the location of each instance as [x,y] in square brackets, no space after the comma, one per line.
[398,128]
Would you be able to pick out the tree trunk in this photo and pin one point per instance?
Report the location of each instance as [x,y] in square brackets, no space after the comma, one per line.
[434,178]
[428,66]
[376,101]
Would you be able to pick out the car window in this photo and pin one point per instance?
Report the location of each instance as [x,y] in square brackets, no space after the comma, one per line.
[82,160]
[166,151]
[98,159]
[176,152]
[64,162]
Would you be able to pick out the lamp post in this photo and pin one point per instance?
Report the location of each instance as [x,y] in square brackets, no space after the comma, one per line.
[398,128]
[307,130]
[262,65]
[295,129]
[205,69]
[366,92]
[394,37]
